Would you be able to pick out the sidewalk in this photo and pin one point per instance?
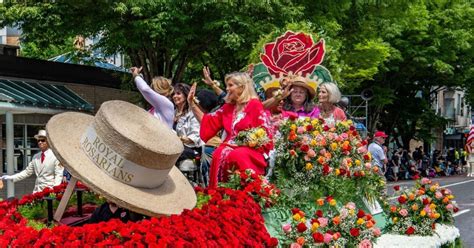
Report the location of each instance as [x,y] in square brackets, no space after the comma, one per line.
[21,188]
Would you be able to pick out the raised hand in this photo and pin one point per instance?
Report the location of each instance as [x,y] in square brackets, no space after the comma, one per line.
[136,71]
[250,69]
[191,94]
[207,76]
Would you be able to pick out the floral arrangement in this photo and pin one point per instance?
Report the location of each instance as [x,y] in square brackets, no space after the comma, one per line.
[318,160]
[257,186]
[331,226]
[229,218]
[418,209]
[253,137]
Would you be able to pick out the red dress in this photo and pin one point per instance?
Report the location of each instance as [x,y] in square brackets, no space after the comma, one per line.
[229,156]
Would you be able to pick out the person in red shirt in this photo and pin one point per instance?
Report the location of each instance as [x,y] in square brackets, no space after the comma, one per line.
[242,111]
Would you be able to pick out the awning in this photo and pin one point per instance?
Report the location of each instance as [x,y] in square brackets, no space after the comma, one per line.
[29,95]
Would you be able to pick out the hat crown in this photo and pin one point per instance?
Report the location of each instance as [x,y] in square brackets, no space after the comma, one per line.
[130,132]
[41,133]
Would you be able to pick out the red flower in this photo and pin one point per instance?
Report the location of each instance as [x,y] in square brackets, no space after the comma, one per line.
[361,213]
[304,148]
[301,227]
[352,128]
[294,53]
[410,230]
[295,210]
[426,201]
[318,237]
[402,199]
[292,115]
[396,187]
[319,213]
[326,128]
[354,232]
[309,128]
[326,169]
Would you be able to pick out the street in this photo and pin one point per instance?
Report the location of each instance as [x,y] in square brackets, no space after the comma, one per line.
[462,187]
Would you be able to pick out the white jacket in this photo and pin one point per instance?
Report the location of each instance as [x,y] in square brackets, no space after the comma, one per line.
[48,174]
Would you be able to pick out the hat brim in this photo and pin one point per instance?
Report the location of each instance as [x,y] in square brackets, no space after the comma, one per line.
[172,197]
[312,92]
[39,136]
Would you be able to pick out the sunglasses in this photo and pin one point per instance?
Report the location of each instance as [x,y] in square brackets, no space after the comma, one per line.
[41,140]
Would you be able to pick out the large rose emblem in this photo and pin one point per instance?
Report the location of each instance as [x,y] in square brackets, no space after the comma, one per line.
[295,53]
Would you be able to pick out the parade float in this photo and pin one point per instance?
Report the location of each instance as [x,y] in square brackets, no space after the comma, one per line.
[323,192]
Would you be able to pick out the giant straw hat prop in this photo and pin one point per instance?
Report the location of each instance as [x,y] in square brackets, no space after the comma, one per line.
[125,154]
[293,55]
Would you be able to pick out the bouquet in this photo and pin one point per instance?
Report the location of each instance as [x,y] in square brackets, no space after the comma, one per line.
[257,186]
[418,209]
[316,160]
[253,137]
[330,226]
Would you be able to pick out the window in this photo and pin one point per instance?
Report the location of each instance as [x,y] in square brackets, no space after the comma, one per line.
[24,144]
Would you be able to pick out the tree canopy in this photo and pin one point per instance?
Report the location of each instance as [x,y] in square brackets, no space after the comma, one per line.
[405,51]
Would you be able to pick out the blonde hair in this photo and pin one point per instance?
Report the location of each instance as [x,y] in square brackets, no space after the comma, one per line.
[333,91]
[162,86]
[243,80]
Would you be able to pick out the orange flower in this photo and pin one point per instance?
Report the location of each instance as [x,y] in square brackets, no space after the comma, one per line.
[300,241]
[336,220]
[446,200]
[393,209]
[321,160]
[414,207]
[369,224]
[411,197]
[320,201]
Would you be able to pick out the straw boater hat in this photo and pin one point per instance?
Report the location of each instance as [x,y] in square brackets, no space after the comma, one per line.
[303,82]
[125,154]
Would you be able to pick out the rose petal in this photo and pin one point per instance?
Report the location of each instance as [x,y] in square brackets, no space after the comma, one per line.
[272,68]
[317,55]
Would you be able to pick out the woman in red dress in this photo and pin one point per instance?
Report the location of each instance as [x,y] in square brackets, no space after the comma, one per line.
[242,111]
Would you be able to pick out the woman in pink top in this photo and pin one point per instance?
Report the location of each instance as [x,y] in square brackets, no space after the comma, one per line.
[157,94]
[300,100]
[328,96]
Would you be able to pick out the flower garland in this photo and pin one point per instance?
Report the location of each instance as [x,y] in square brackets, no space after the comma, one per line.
[331,227]
[418,209]
[230,218]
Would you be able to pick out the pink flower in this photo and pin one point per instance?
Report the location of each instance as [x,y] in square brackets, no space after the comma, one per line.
[362,150]
[376,231]
[344,136]
[322,152]
[327,238]
[301,130]
[450,207]
[344,213]
[425,180]
[438,195]
[286,228]
[323,222]
[368,165]
[403,212]
[350,205]
[295,245]
[365,244]
[338,138]
[311,153]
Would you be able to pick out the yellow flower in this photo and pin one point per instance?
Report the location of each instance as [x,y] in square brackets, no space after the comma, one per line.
[314,122]
[313,142]
[433,188]
[332,202]
[395,219]
[315,133]
[309,166]
[437,215]
[360,221]
[450,197]
[351,212]
[307,119]
[357,162]
[260,132]
[297,217]
[293,127]
[333,146]
[349,122]
[337,172]
[422,213]
[314,227]
[432,206]
[252,136]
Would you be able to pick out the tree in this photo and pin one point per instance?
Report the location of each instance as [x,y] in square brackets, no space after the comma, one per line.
[162,36]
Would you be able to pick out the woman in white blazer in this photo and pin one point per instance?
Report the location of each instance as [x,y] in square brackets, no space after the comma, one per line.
[48,170]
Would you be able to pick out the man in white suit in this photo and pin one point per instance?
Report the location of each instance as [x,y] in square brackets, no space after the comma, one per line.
[48,170]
